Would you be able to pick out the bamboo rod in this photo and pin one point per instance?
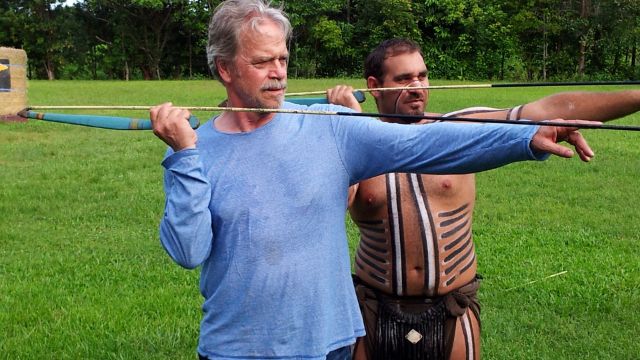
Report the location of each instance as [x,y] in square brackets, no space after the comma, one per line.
[475,86]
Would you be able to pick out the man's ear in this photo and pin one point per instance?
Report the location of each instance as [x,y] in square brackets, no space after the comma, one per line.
[373,83]
[224,70]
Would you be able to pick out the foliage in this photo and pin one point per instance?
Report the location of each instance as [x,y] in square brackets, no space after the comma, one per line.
[462,39]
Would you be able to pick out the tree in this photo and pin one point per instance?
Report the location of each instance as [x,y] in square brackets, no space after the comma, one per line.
[141,28]
[42,28]
[322,37]
[466,39]
[378,20]
[463,39]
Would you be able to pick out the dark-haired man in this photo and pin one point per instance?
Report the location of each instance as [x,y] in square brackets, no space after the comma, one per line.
[416,263]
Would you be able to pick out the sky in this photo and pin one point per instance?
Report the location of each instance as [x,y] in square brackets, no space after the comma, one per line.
[70,2]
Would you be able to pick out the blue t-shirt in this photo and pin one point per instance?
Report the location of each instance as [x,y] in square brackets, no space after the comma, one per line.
[263,212]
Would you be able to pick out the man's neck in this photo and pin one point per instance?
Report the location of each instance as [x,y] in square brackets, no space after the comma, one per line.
[237,122]
[408,122]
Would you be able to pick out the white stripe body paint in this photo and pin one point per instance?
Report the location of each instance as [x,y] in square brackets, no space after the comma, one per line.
[396,232]
[466,327]
[428,232]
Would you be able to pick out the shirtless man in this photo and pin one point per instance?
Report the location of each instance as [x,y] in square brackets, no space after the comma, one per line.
[416,264]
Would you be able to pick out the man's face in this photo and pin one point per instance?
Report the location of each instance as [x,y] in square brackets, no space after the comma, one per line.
[257,77]
[403,70]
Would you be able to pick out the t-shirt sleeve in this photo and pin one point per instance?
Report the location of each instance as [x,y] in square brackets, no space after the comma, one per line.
[370,147]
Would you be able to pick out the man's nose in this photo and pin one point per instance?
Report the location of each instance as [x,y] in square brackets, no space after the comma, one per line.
[278,70]
[416,83]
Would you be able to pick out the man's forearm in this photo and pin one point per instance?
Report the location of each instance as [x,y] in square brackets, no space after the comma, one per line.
[185,229]
[596,106]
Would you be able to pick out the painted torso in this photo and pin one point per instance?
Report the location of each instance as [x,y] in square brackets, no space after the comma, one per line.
[416,235]
[415,230]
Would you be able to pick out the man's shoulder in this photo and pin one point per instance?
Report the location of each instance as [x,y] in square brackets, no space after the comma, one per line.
[471,110]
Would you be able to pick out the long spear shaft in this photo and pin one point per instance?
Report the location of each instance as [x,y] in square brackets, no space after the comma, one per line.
[477,86]
[98,121]
[411,118]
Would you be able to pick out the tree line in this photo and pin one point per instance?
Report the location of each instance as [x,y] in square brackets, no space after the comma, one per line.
[530,40]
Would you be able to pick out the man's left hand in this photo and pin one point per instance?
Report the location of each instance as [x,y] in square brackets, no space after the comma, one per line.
[547,137]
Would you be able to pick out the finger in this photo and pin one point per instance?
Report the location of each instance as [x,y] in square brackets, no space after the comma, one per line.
[343,95]
[581,151]
[582,147]
[329,94]
[179,118]
[583,122]
[551,147]
[564,132]
[339,91]
[584,156]
[176,114]
[156,109]
[346,90]
[186,114]
[333,94]
[163,112]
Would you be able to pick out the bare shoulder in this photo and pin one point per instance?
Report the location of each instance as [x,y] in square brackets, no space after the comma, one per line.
[429,121]
[479,112]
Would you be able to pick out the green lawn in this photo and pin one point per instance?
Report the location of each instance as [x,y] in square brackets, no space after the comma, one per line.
[83,275]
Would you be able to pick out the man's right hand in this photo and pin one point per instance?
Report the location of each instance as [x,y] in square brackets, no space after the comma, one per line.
[171,124]
[547,137]
[343,95]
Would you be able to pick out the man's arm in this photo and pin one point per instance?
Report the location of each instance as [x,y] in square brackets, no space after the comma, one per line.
[185,228]
[545,140]
[568,135]
[596,106]
[343,95]
[370,148]
[592,106]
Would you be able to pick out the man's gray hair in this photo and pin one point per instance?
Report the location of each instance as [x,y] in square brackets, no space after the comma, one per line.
[230,18]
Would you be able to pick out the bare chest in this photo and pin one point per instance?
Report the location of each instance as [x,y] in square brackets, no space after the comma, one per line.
[416,231]
[443,192]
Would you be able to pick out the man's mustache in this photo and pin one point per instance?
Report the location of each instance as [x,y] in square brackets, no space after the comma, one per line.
[411,95]
[274,85]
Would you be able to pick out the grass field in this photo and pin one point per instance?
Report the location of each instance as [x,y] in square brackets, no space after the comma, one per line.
[83,275]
